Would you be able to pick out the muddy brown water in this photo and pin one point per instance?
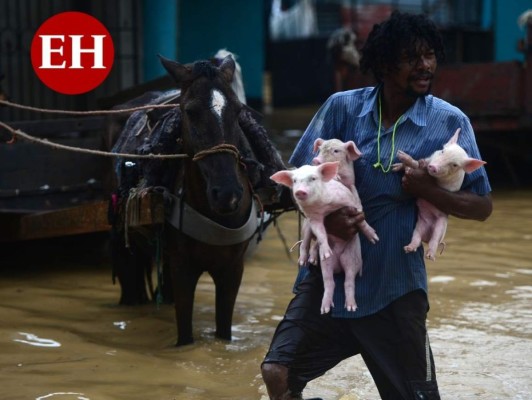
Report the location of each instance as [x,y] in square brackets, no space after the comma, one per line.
[63,336]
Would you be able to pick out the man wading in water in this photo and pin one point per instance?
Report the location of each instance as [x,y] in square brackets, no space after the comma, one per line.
[389,328]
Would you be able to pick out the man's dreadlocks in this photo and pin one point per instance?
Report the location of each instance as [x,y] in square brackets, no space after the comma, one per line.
[403,32]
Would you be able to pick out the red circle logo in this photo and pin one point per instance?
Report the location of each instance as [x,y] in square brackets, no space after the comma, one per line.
[72,52]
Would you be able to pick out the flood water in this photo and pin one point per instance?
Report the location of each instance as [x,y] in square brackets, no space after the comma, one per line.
[63,337]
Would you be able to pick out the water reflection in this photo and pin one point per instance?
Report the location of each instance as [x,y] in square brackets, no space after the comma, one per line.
[480,325]
[63,396]
[120,324]
[441,279]
[34,340]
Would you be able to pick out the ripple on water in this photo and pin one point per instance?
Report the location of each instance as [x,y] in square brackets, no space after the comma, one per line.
[515,318]
[482,282]
[34,340]
[121,324]
[472,364]
[524,271]
[63,396]
[521,292]
[442,279]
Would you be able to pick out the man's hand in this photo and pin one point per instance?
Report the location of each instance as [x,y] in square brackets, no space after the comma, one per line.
[343,223]
[417,181]
[461,204]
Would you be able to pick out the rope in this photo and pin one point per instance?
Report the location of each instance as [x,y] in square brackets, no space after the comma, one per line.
[220,148]
[132,198]
[216,149]
[287,250]
[378,164]
[95,112]
[46,142]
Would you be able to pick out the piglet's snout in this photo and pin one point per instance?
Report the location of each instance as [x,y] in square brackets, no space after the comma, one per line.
[317,161]
[301,194]
[433,169]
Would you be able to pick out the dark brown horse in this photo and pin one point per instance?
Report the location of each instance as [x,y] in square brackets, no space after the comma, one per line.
[213,215]
[215,185]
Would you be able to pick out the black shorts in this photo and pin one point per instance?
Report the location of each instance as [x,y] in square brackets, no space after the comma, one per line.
[393,343]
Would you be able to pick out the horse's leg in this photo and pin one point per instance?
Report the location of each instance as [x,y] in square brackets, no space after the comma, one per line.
[185,279]
[129,266]
[227,281]
[139,262]
[166,284]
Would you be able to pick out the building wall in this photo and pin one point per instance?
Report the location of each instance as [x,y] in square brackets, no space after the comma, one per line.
[507,32]
[159,34]
[20,19]
[205,26]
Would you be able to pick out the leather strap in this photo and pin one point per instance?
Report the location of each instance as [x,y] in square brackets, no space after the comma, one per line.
[184,218]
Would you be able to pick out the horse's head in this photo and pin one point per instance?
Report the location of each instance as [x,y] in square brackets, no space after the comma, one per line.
[210,129]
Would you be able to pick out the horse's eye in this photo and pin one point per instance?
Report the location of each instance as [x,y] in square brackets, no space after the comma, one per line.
[191,111]
[193,108]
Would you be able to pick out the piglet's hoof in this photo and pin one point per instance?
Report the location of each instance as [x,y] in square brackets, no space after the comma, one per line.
[325,255]
[409,249]
[326,306]
[302,260]
[430,256]
[397,167]
[351,306]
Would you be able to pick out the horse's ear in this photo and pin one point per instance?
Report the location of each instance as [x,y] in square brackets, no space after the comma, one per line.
[176,70]
[227,68]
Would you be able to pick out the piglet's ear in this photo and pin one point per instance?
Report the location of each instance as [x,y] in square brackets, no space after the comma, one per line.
[328,170]
[472,164]
[283,178]
[317,144]
[352,150]
[454,138]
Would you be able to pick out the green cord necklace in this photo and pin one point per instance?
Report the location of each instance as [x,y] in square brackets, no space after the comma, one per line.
[378,163]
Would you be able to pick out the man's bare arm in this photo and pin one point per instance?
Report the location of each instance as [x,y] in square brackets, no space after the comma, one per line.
[461,204]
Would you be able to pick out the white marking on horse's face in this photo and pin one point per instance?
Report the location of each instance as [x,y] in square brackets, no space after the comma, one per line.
[217,102]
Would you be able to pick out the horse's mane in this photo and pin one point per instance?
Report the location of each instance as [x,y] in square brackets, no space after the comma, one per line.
[204,68]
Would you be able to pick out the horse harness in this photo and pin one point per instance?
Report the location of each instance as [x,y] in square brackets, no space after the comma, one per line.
[189,221]
[185,218]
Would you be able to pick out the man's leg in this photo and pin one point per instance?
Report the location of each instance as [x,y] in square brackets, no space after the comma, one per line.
[306,344]
[276,379]
[395,348]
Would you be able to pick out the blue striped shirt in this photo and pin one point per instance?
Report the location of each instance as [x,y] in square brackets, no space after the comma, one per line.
[388,272]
